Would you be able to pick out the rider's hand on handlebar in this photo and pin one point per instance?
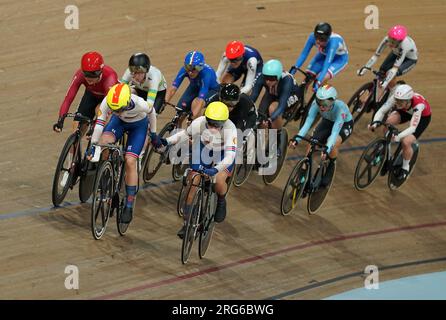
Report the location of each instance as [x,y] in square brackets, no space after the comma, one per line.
[362,71]
[210,172]
[57,127]
[293,70]
[316,85]
[90,152]
[293,143]
[395,138]
[371,127]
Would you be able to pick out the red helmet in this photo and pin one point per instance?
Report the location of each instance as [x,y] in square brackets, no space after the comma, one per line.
[234,50]
[92,61]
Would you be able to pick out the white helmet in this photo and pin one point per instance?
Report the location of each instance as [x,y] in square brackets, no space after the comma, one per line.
[403,92]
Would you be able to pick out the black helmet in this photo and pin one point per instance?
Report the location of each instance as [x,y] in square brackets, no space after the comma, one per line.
[139,62]
[322,31]
[230,93]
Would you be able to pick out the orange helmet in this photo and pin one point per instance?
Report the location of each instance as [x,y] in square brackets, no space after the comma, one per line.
[235,50]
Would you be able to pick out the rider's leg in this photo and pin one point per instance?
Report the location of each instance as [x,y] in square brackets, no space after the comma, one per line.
[220,189]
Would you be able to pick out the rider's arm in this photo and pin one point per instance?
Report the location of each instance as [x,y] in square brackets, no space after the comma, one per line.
[126,77]
[230,145]
[251,65]
[306,50]
[286,91]
[222,66]
[258,85]
[379,115]
[337,126]
[176,84]
[414,121]
[71,93]
[156,78]
[100,121]
[312,113]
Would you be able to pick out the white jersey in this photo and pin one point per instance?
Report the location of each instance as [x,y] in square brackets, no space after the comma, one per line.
[153,83]
[406,49]
[251,66]
[217,141]
[138,110]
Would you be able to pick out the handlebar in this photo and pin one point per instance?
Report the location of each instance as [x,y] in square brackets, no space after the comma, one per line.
[311,141]
[79,116]
[389,126]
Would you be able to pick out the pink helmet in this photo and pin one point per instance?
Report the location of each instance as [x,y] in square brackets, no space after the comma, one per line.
[397,33]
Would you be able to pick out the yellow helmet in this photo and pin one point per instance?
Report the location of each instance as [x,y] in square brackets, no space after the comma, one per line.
[118,96]
[216,114]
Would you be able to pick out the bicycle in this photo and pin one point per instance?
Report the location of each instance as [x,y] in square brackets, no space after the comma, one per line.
[200,222]
[77,167]
[302,182]
[378,158]
[151,165]
[359,105]
[109,190]
[299,109]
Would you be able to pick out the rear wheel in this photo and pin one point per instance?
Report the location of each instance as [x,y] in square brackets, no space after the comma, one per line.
[65,170]
[283,145]
[102,200]
[294,187]
[243,170]
[191,227]
[370,163]
[358,103]
[86,180]
[208,225]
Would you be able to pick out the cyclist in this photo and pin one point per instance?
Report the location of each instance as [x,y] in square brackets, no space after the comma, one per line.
[148,82]
[405,105]
[214,143]
[281,91]
[203,84]
[97,79]
[130,114]
[332,56]
[401,60]
[335,127]
[240,60]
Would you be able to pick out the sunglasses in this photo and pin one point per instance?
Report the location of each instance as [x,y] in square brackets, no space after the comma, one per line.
[215,124]
[269,78]
[236,59]
[322,38]
[137,69]
[127,108]
[394,42]
[191,68]
[324,103]
[92,74]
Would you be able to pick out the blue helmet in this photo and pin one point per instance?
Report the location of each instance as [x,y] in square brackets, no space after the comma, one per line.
[194,58]
[273,68]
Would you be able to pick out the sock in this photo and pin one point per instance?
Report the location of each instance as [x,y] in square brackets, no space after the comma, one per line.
[406,164]
[131,193]
[221,198]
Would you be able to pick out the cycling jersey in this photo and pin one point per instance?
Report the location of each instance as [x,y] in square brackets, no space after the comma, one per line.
[334,48]
[285,93]
[222,142]
[206,80]
[419,108]
[100,89]
[153,83]
[406,49]
[250,67]
[338,113]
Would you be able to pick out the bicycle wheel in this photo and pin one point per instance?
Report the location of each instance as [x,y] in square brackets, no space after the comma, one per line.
[208,225]
[65,171]
[268,179]
[178,171]
[294,187]
[316,198]
[394,183]
[102,200]
[290,113]
[359,101]
[242,170]
[122,227]
[152,159]
[86,180]
[370,163]
[181,198]
[191,227]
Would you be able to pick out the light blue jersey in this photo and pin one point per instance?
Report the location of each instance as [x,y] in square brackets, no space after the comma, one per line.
[339,114]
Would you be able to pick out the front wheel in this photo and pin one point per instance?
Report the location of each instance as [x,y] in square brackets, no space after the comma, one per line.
[317,197]
[370,163]
[65,170]
[283,149]
[192,223]
[102,200]
[294,187]
[243,170]
[208,225]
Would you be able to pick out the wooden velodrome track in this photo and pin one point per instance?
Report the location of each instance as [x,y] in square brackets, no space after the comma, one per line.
[256,253]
